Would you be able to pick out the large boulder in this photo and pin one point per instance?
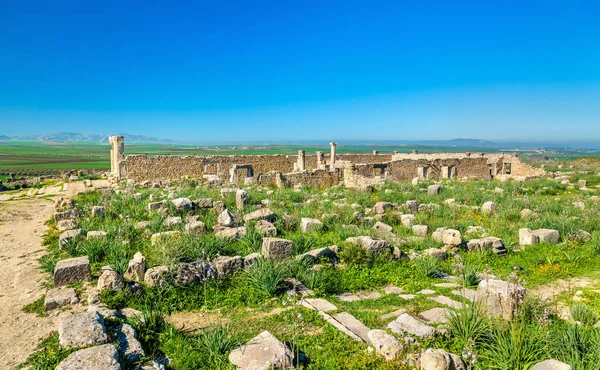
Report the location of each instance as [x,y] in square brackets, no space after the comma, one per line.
[82,330]
[261,214]
[551,365]
[276,248]
[104,357]
[438,359]
[72,270]
[263,352]
[136,268]
[499,298]
[308,225]
[384,344]
[186,274]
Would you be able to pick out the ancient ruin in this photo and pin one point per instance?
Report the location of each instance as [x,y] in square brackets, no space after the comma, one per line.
[288,170]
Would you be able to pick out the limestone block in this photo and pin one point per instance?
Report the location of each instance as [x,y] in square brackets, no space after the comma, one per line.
[103,357]
[71,271]
[82,330]
[276,248]
[308,225]
[262,352]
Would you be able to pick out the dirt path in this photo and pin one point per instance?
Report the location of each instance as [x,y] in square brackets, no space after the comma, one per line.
[21,230]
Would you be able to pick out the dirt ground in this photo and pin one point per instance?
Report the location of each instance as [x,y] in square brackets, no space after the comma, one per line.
[21,230]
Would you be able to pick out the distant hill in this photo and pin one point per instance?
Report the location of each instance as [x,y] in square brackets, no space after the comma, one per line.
[86,138]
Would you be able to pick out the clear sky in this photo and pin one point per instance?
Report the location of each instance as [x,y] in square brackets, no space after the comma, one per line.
[302,70]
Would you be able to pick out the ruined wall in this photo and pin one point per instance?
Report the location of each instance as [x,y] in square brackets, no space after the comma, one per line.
[519,168]
[168,167]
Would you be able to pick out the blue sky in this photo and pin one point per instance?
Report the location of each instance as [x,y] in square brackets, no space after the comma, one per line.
[302,70]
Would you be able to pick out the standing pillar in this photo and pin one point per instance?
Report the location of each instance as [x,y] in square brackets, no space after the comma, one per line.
[117,152]
[301,160]
[375,151]
[320,159]
[332,160]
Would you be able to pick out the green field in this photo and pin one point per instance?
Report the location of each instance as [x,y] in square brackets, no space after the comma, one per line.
[52,158]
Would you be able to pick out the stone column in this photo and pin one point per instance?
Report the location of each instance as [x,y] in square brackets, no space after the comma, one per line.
[117,152]
[301,160]
[375,151]
[320,159]
[445,172]
[332,160]
[422,172]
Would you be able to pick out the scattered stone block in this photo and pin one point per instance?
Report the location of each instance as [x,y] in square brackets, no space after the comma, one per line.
[451,237]
[315,255]
[59,297]
[71,271]
[466,293]
[110,280]
[262,352]
[226,266]
[438,359]
[261,214]
[98,211]
[69,238]
[96,234]
[381,227]
[408,220]
[136,268]
[437,234]
[433,189]
[488,208]
[82,330]
[68,214]
[393,314]
[172,221]
[373,245]
[182,204]
[381,207]
[130,348]
[251,259]
[420,230]
[231,233]
[276,248]
[163,237]
[527,237]
[156,206]
[154,276]
[265,228]
[446,301]
[408,324]
[412,205]
[103,357]
[309,225]
[496,245]
[547,236]
[195,227]
[203,203]
[385,345]
[185,274]
[67,224]
[436,253]
[226,219]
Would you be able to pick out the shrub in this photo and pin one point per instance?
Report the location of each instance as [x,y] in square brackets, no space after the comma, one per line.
[517,348]
[426,267]
[266,276]
[467,325]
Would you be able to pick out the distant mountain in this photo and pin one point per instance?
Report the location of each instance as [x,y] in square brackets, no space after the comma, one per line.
[4,138]
[87,138]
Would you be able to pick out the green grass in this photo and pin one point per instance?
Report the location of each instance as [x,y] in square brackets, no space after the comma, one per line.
[36,307]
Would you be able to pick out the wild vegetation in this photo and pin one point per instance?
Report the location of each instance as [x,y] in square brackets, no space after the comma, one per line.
[228,312]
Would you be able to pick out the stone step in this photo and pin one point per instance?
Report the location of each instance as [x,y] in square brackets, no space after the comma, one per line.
[466,293]
[318,304]
[447,301]
[354,325]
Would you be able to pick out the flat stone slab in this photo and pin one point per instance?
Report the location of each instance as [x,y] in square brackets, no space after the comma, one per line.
[336,324]
[103,357]
[405,323]
[447,301]
[446,285]
[426,292]
[262,352]
[318,304]
[407,297]
[467,293]
[392,289]
[59,297]
[354,325]
[82,330]
[347,297]
[436,315]
[72,270]
[393,314]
